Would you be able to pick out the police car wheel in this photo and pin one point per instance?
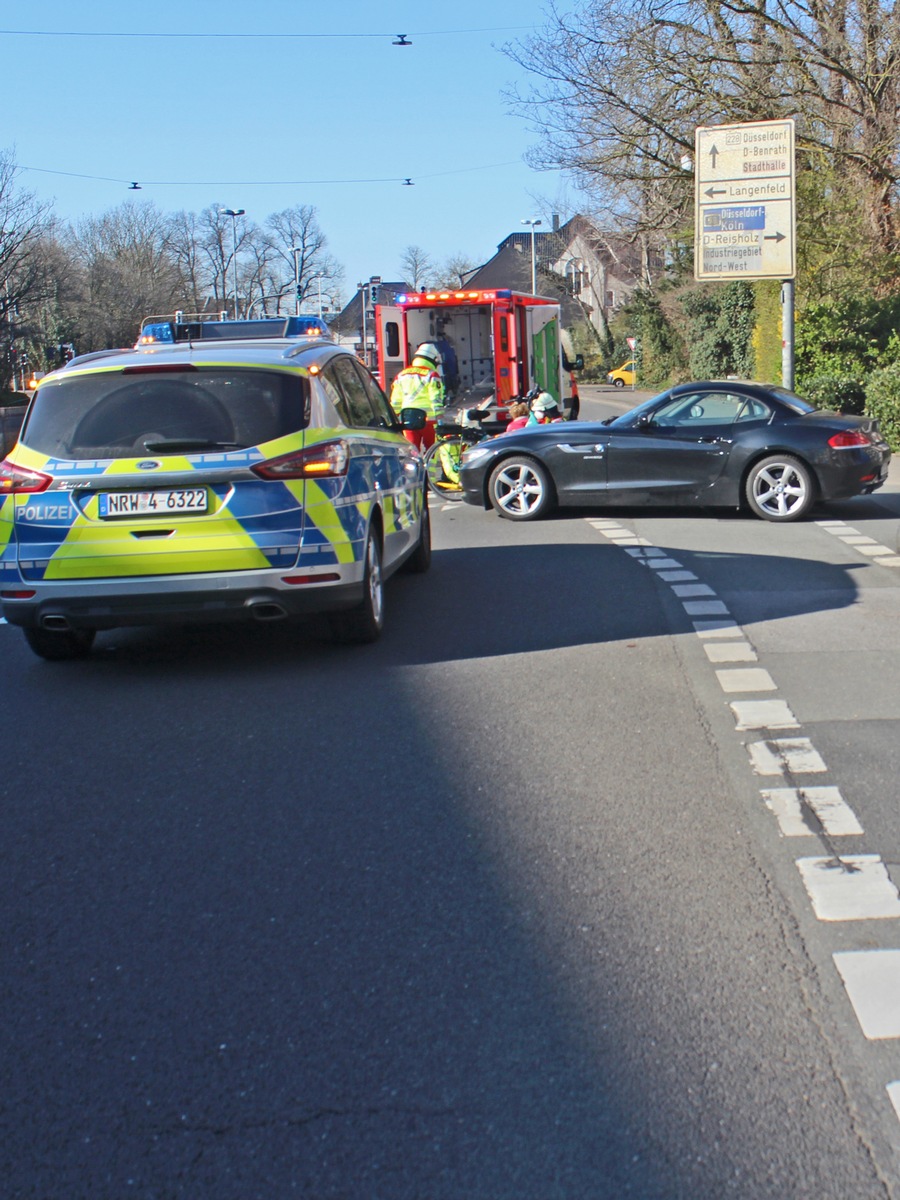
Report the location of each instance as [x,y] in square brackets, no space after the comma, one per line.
[420,559]
[364,623]
[59,645]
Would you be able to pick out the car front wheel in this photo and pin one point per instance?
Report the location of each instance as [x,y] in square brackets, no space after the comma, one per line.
[520,489]
[780,488]
[619,382]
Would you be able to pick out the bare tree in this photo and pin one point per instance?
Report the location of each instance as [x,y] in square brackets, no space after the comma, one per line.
[416,267]
[127,273]
[454,271]
[295,243]
[25,280]
[622,88]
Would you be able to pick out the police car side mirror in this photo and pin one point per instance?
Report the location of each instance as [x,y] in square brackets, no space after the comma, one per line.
[413,418]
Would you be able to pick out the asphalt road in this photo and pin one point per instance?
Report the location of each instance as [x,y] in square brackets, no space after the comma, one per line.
[493,909]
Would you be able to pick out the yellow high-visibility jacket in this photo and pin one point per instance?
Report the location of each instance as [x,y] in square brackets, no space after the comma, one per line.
[418,386]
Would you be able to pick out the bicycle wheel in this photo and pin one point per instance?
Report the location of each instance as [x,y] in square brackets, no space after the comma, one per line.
[442,467]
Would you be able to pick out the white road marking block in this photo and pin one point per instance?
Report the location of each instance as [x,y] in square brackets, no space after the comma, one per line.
[676,576]
[794,755]
[603,523]
[615,535]
[857,539]
[893,1090]
[872,980]
[730,652]
[833,812]
[705,608]
[718,629]
[763,714]
[650,552]
[692,589]
[876,551]
[745,679]
[659,564]
[892,560]
[854,887]
[836,527]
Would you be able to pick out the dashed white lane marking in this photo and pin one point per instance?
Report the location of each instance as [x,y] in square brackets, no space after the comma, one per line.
[730,652]
[884,555]
[840,888]
[745,679]
[872,980]
[718,629]
[795,756]
[853,887]
[677,576]
[763,714]
[705,608]
[685,590]
[827,804]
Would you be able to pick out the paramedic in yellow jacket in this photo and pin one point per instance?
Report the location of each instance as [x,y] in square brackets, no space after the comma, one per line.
[420,386]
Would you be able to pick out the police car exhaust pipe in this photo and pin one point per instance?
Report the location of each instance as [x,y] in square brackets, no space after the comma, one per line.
[55,623]
[266,610]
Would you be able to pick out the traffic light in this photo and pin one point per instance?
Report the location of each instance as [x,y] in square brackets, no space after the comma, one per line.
[374,288]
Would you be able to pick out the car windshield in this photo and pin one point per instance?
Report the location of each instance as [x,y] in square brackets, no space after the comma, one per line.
[117,414]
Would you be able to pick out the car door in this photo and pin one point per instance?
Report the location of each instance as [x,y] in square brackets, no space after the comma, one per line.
[575,453]
[383,459]
[677,451]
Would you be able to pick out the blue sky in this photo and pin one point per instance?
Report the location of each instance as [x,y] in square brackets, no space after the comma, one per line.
[260,122]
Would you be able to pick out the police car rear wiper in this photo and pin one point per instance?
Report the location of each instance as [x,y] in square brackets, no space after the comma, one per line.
[188,444]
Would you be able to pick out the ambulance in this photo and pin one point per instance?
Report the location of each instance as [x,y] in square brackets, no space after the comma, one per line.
[494,343]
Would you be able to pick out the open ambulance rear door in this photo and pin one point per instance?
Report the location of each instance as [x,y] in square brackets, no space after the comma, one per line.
[390,338]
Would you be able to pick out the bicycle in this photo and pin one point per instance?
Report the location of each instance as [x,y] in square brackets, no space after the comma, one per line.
[443,458]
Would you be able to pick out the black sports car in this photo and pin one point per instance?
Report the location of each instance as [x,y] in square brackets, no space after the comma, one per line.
[715,443]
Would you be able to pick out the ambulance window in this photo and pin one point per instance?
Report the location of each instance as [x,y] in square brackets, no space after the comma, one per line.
[392,339]
[504,334]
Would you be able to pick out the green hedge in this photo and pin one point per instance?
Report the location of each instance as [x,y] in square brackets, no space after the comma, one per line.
[840,393]
[883,402]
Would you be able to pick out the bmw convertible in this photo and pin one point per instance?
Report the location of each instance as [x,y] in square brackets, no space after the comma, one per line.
[714,444]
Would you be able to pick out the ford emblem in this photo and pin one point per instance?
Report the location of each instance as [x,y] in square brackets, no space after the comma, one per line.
[149,464]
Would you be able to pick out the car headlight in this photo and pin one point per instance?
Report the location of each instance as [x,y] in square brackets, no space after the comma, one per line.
[476,454]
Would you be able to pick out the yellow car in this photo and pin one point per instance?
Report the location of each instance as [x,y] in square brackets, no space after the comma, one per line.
[622,375]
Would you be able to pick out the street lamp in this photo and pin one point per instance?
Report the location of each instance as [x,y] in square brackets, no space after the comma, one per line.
[234,213]
[532,223]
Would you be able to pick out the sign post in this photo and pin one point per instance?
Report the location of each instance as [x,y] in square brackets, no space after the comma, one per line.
[745,211]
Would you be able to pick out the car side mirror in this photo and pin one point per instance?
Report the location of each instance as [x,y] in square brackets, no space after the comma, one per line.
[413,418]
[579,362]
[645,421]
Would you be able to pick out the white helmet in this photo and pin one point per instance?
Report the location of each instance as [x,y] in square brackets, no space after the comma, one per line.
[544,403]
[430,351]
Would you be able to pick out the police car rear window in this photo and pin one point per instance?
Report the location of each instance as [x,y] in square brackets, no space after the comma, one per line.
[117,415]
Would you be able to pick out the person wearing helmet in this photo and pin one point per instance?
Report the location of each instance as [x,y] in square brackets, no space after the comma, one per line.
[420,386]
[544,410]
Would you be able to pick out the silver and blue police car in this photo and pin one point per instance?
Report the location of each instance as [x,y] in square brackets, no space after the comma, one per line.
[207,480]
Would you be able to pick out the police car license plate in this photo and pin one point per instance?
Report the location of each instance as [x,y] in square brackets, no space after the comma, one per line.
[150,504]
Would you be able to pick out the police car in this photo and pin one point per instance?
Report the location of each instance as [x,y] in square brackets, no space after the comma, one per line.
[207,481]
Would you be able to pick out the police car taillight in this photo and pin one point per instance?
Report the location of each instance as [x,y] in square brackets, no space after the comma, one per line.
[15,481]
[316,462]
